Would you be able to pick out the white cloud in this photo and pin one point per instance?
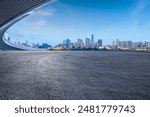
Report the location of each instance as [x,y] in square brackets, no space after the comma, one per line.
[45,12]
[39,19]
[37,23]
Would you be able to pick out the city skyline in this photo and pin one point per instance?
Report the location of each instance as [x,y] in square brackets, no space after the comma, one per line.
[107,19]
[88,44]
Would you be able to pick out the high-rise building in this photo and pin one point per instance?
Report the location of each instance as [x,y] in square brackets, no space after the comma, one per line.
[114,44]
[92,37]
[80,44]
[75,45]
[87,43]
[93,44]
[99,43]
[117,43]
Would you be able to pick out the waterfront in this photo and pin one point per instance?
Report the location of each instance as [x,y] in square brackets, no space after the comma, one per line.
[74,75]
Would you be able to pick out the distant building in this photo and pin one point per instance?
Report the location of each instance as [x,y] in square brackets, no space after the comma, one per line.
[92,37]
[66,42]
[93,44]
[19,43]
[117,44]
[122,44]
[71,46]
[129,44]
[80,44]
[45,46]
[75,45]
[99,43]
[146,44]
[35,45]
[87,43]
[58,46]
[26,43]
[113,45]
[138,45]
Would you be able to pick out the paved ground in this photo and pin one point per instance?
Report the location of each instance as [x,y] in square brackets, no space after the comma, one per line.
[74,75]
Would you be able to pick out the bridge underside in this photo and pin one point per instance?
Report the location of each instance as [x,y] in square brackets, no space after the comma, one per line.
[12,11]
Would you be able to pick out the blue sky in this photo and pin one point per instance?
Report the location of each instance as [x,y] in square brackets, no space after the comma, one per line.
[106,19]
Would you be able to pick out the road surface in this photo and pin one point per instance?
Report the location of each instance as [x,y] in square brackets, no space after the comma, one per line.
[92,75]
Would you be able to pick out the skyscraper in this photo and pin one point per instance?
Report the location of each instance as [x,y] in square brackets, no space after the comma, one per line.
[92,37]
[92,42]
[80,43]
[87,43]
[114,44]
[117,43]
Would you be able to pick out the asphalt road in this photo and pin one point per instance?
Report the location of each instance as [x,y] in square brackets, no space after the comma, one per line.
[74,75]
